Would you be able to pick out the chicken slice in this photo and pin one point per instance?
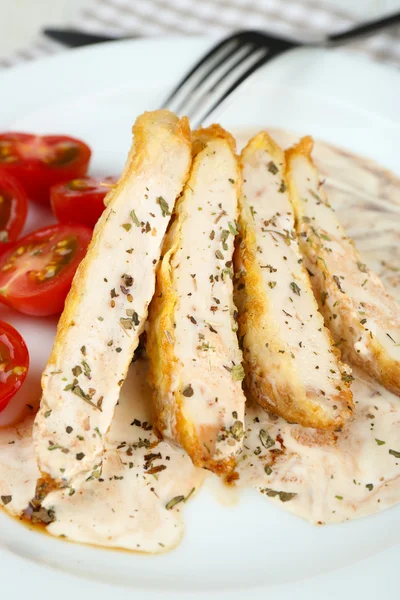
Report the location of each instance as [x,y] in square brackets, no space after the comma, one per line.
[292,368]
[363,318]
[107,306]
[195,360]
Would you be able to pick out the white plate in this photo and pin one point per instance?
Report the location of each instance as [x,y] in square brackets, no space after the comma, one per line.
[251,548]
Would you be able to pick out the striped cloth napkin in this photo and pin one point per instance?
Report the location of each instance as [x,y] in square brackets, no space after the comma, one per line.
[302,18]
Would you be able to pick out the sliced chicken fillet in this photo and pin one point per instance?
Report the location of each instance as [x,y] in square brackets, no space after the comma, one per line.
[363,318]
[292,367]
[196,368]
[107,306]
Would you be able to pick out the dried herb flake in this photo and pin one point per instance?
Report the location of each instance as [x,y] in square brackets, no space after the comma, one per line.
[164,206]
[266,439]
[394,453]
[237,430]
[174,502]
[272,168]
[134,218]
[237,372]
[295,288]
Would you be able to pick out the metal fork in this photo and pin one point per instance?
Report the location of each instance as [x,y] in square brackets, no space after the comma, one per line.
[230,62]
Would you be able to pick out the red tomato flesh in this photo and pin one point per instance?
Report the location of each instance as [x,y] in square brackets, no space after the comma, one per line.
[14,363]
[13,208]
[36,272]
[80,200]
[38,162]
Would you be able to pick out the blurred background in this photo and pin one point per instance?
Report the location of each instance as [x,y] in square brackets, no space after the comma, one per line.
[21,21]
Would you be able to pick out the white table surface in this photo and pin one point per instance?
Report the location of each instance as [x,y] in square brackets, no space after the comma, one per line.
[21,20]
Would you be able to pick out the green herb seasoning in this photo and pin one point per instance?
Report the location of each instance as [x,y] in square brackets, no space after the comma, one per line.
[283,496]
[232,228]
[126,323]
[394,453]
[347,377]
[362,267]
[295,288]
[164,206]
[174,502]
[282,187]
[134,218]
[86,369]
[266,439]
[237,372]
[272,168]
[237,430]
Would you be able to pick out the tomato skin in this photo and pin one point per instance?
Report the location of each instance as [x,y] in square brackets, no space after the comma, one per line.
[4,247]
[80,200]
[13,355]
[36,272]
[38,162]
[13,208]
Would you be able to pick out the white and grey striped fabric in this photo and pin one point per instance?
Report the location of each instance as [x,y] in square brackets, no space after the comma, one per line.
[189,17]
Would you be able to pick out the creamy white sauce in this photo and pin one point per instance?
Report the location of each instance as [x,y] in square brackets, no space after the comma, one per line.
[108,306]
[18,468]
[328,478]
[308,461]
[130,502]
[121,503]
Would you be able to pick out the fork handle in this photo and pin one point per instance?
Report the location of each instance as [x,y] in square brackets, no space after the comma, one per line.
[364,30]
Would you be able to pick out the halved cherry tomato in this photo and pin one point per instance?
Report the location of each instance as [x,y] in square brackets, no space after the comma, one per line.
[14,362]
[36,272]
[80,200]
[38,162]
[13,208]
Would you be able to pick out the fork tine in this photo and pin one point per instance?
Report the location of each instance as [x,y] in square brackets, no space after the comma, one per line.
[216,66]
[250,50]
[213,65]
[259,63]
[232,67]
[194,96]
[199,64]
